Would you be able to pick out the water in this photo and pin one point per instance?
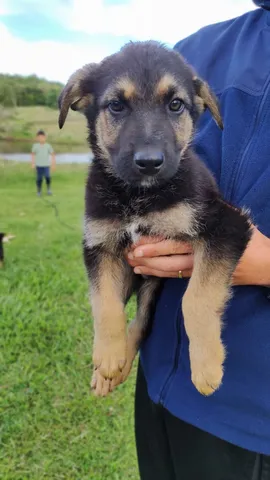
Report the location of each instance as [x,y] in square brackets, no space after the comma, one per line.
[20,151]
[61,158]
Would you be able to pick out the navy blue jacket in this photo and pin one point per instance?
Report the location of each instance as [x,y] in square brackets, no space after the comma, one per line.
[234,57]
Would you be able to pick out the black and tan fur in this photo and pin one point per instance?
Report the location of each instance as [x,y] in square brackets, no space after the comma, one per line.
[142,105]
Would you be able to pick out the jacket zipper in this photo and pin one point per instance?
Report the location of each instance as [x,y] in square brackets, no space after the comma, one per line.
[246,151]
[175,362]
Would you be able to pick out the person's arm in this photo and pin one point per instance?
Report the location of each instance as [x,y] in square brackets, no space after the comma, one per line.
[33,158]
[53,159]
[254,266]
[167,258]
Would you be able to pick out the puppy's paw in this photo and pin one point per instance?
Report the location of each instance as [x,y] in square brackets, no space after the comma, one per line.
[207,381]
[122,376]
[110,357]
[207,368]
[101,386]
[131,354]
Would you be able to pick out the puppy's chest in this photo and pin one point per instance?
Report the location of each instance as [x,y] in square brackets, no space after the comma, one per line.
[136,229]
[174,222]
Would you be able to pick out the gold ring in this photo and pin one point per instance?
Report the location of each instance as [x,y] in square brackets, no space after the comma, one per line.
[180,275]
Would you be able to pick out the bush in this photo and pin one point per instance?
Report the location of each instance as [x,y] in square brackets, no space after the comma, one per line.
[20,91]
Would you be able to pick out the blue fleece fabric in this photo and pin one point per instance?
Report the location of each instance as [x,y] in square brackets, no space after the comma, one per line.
[234,57]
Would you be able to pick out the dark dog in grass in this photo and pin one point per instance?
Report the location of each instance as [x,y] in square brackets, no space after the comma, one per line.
[142,105]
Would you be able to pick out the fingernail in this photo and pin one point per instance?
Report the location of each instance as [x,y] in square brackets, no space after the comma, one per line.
[138,253]
[137,270]
[130,256]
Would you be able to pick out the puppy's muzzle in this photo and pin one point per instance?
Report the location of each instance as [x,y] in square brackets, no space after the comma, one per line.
[148,162]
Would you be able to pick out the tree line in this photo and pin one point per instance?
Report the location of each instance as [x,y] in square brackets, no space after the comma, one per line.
[24,91]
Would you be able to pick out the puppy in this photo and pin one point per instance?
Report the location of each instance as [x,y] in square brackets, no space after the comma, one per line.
[142,105]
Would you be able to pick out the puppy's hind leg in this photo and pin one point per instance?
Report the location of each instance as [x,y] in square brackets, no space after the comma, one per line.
[202,306]
[208,291]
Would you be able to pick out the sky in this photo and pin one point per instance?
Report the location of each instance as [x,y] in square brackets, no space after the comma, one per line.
[53,38]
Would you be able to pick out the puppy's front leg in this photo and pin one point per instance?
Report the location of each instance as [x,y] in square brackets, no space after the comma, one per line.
[108,285]
[140,326]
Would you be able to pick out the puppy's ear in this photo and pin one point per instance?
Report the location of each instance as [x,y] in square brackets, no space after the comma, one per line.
[209,99]
[77,92]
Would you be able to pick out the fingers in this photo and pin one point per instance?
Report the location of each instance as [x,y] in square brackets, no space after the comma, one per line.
[147,240]
[159,248]
[161,258]
[161,273]
[166,264]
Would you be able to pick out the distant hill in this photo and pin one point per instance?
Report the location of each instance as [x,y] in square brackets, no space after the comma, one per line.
[27,91]
[28,104]
[18,127]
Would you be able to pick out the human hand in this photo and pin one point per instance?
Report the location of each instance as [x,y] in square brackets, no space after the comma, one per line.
[161,258]
[165,258]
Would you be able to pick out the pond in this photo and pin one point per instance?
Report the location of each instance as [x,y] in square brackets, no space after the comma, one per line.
[21,152]
[60,158]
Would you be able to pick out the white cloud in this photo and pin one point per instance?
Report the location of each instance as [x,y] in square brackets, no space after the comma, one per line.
[166,20]
[5,8]
[51,60]
[50,7]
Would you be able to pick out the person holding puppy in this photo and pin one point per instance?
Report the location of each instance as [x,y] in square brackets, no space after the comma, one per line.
[180,434]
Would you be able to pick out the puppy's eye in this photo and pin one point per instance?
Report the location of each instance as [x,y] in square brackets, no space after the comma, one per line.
[176,105]
[116,106]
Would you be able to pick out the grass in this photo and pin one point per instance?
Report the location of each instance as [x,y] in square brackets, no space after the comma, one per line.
[22,123]
[51,426]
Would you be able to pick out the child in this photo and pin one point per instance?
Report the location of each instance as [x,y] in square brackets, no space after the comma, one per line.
[41,152]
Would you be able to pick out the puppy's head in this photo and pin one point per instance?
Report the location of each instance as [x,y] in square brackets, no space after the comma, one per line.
[141,105]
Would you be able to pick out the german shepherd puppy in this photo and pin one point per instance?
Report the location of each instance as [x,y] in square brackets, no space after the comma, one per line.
[141,105]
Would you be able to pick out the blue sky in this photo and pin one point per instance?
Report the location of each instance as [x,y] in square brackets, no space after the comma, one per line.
[55,37]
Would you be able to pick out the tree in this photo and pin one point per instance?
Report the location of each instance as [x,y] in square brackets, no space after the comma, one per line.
[17,90]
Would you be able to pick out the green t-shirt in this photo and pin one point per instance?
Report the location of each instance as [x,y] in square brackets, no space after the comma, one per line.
[42,154]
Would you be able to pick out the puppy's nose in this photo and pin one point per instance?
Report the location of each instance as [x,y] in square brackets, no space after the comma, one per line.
[149,163]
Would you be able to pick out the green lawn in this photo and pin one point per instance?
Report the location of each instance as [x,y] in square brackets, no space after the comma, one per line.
[51,426]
